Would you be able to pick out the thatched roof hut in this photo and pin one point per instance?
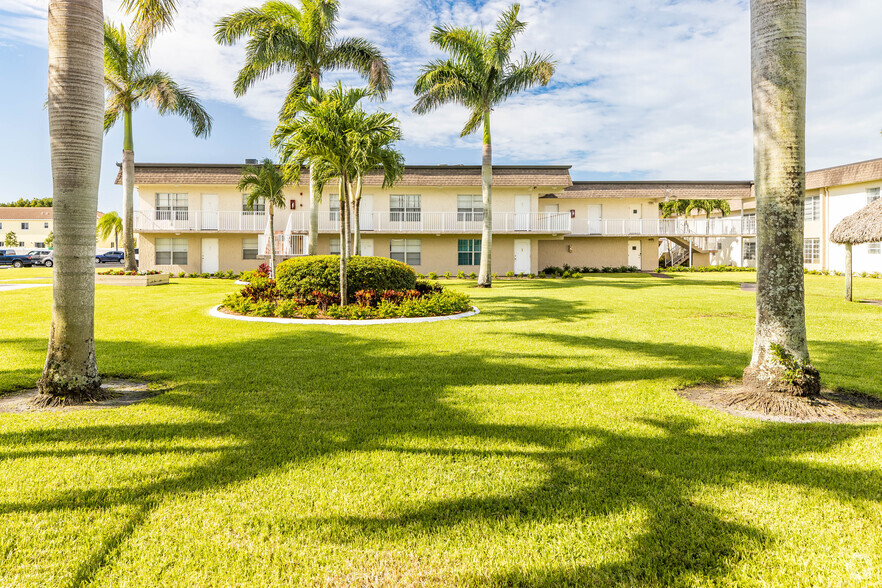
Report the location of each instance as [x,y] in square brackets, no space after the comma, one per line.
[864,226]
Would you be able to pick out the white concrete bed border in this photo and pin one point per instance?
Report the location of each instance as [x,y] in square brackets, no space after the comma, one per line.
[215,312]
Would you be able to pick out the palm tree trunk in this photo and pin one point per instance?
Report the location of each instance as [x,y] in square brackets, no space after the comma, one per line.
[350,205]
[343,284]
[128,182]
[315,198]
[484,279]
[356,211]
[272,243]
[778,45]
[76,113]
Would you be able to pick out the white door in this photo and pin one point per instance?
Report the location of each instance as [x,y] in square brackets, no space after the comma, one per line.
[634,254]
[367,247]
[595,219]
[522,212]
[522,261]
[210,252]
[634,225]
[209,212]
[551,217]
[366,214]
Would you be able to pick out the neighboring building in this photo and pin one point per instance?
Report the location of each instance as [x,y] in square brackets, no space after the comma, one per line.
[31,225]
[191,218]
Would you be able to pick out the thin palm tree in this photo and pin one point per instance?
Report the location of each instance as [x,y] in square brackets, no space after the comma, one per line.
[109,224]
[130,83]
[265,183]
[76,107]
[301,40]
[780,362]
[329,134]
[480,75]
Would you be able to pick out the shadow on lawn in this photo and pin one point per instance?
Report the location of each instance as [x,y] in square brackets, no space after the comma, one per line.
[345,393]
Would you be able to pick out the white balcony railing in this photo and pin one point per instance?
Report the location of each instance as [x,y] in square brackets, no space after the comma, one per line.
[199,220]
[662,227]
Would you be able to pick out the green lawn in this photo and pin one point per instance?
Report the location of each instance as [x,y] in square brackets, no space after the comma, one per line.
[538,443]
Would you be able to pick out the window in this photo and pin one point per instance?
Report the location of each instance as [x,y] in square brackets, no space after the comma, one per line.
[405,250]
[258,206]
[171,252]
[469,207]
[335,245]
[749,249]
[334,205]
[469,252]
[172,207]
[39,245]
[45,225]
[749,223]
[404,207]
[25,226]
[21,243]
[874,248]
[249,248]
[872,195]
[812,208]
[811,251]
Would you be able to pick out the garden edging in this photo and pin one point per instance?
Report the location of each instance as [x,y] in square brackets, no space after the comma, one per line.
[216,312]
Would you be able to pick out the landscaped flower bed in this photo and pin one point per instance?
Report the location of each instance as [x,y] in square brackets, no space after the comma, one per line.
[308,288]
[130,273]
[124,278]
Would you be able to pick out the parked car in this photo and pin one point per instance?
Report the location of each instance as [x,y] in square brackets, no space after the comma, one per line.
[41,256]
[10,257]
[110,257]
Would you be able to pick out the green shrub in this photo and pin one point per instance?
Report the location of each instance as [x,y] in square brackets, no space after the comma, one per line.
[433,276]
[461,275]
[300,276]
[509,274]
[473,276]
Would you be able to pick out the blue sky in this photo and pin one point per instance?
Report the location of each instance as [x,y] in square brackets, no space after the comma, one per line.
[645,89]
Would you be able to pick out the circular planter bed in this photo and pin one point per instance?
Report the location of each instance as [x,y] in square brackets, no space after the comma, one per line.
[219,313]
[120,278]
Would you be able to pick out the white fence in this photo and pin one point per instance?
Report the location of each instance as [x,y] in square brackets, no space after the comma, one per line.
[662,227]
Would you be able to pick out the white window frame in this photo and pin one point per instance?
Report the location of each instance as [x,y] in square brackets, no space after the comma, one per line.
[750,246]
[473,252]
[469,207]
[334,245]
[46,225]
[407,251]
[250,247]
[872,195]
[25,226]
[812,208]
[334,209]
[874,248]
[405,208]
[172,206]
[259,206]
[811,251]
[748,222]
[170,251]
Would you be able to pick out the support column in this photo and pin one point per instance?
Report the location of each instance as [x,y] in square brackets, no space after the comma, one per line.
[848,272]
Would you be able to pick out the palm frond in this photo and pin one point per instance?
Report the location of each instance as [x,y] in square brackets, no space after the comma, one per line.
[508,27]
[463,44]
[444,82]
[363,57]
[532,70]
[151,17]
[169,98]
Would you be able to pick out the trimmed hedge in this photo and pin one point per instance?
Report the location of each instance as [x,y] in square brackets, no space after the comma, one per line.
[301,276]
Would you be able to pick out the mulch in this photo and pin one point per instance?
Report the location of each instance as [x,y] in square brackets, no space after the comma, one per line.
[121,393]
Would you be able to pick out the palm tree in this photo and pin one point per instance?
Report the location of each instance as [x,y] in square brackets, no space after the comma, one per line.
[110,223]
[301,40]
[150,17]
[329,134]
[479,76]
[780,362]
[265,182]
[129,83]
[75,105]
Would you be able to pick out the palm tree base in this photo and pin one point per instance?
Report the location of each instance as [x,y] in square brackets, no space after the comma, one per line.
[773,378]
[57,392]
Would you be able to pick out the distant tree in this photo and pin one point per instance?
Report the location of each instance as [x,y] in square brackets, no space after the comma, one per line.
[32,203]
[684,207]
[267,182]
[11,239]
[479,76]
[50,240]
[110,223]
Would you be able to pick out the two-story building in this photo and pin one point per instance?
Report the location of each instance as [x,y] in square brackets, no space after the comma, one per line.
[191,218]
[30,226]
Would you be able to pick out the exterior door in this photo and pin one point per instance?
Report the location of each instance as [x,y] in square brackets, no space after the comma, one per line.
[634,254]
[595,219]
[367,247]
[210,254]
[522,260]
[551,218]
[366,214]
[634,224]
[209,212]
[522,212]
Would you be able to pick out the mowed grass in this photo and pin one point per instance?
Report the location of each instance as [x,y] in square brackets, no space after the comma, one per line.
[538,444]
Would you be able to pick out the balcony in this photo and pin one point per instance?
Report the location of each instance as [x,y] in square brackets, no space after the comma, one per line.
[177,221]
[664,227]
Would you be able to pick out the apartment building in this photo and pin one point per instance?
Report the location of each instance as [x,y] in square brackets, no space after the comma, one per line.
[191,218]
[30,226]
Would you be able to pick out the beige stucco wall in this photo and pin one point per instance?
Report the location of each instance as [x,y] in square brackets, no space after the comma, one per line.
[229,253]
[596,252]
[35,233]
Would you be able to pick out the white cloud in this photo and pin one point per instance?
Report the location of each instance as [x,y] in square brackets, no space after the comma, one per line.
[650,88]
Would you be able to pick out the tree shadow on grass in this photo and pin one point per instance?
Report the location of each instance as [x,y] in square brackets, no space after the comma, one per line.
[278,402]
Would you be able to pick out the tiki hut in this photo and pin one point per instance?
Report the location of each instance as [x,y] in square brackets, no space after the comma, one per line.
[864,226]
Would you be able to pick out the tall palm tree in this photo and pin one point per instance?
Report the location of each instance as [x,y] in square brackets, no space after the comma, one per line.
[780,362]
[480,75]
[109,224]
[76,106]
[265,182]
[130,83]
[329,134]
[300,40]
[150,17]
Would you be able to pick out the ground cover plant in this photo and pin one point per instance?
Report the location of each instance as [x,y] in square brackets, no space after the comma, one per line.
[537,444]
[308,287]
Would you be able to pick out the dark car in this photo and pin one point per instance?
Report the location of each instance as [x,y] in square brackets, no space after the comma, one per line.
[110,257]
[10,257]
